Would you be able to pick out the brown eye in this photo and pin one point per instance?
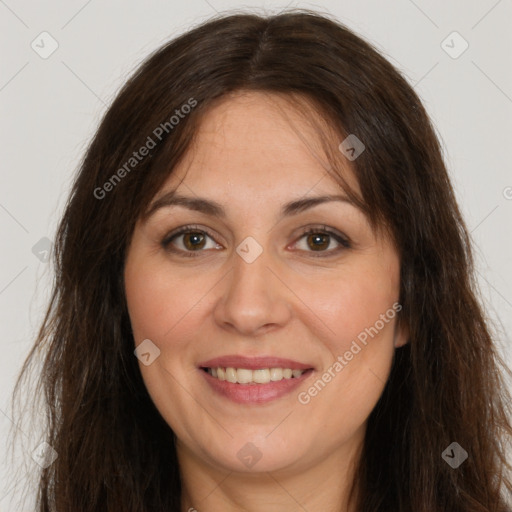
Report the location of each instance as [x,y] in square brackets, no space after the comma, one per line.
[189,240]
[193,240]
[323,241]
[318,241]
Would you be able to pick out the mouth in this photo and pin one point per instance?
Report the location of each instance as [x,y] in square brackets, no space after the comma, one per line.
[255,380]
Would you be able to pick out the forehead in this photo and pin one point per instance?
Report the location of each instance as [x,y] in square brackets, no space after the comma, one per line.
[261,141]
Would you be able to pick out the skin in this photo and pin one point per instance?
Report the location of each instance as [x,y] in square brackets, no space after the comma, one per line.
[295,301]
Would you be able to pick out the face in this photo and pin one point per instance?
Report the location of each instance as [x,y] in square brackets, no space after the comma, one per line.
[248,275]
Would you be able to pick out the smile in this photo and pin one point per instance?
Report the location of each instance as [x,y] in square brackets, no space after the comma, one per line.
[253,380]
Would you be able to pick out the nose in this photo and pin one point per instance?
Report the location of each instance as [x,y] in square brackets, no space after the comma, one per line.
[254,299]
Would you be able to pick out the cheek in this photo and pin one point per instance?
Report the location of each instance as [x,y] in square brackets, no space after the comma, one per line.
[355,305]
[161,308]
[360,315]
[158,300]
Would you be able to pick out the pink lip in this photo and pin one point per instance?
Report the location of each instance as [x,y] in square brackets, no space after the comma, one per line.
[253,363]
[254,393]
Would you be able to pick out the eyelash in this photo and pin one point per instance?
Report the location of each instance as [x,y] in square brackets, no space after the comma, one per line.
[324,230]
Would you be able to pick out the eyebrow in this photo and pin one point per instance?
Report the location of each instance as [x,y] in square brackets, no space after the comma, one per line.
[214,209]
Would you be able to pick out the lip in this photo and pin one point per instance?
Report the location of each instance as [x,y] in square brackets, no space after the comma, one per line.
[254,394]
[254,363]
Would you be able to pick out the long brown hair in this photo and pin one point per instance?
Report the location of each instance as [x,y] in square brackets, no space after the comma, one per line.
[115,451]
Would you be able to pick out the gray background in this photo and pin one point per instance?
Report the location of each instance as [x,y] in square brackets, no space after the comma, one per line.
[51,107]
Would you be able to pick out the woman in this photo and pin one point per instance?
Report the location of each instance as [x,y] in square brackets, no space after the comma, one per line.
[265,295]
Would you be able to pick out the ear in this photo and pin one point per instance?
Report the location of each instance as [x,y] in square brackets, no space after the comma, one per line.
[401,334]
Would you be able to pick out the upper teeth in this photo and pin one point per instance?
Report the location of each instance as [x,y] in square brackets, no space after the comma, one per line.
[261,376]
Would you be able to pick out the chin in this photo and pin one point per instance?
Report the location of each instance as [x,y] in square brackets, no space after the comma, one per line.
[256,454]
